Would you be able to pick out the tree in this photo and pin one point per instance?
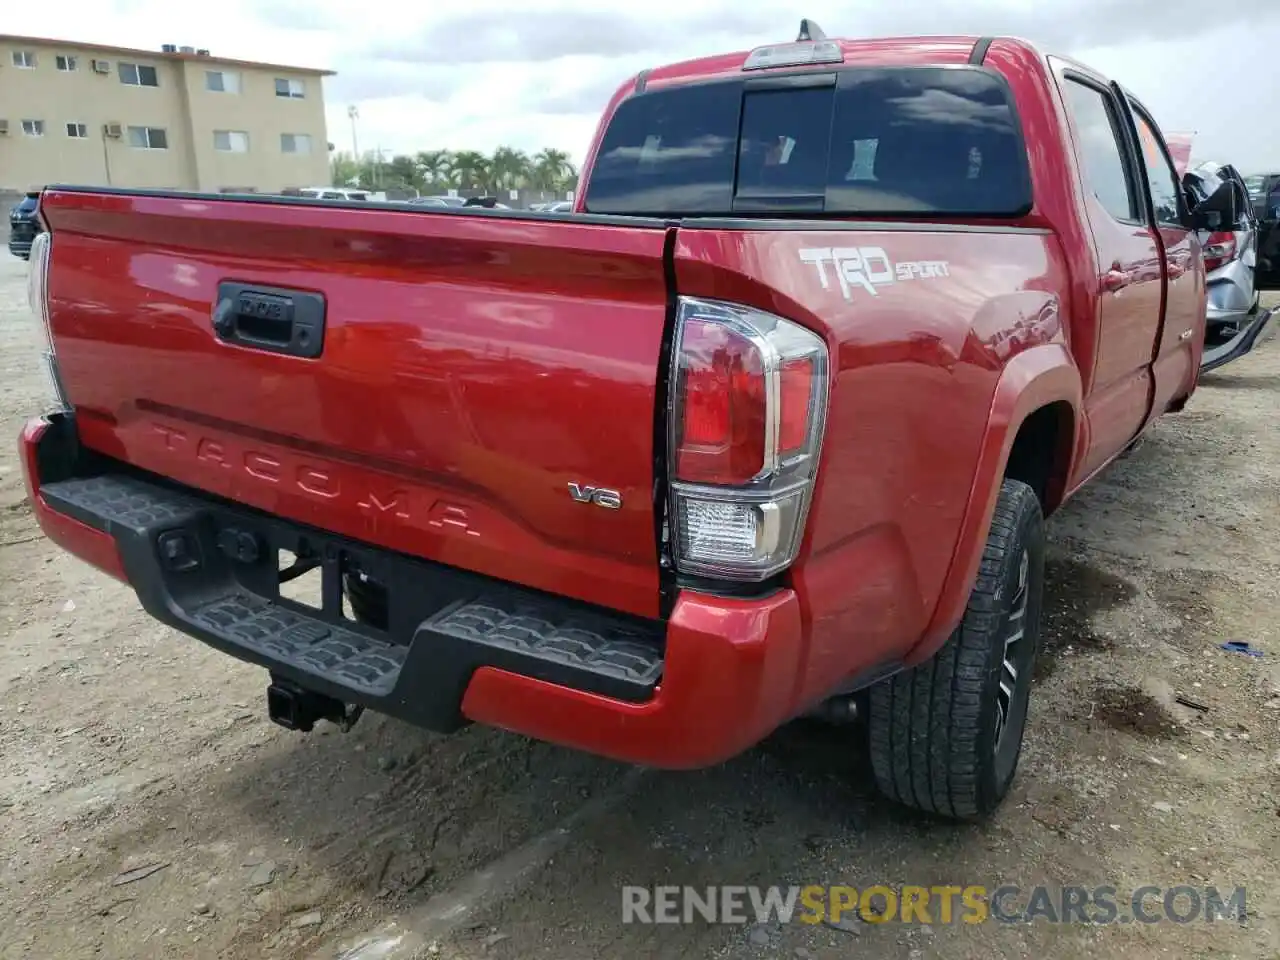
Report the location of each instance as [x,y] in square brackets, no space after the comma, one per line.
[402,171]
[344,171]
[510,168]
[471,170]
[435,168]
[552,170]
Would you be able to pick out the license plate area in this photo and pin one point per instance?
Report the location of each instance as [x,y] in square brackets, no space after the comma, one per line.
[323,577]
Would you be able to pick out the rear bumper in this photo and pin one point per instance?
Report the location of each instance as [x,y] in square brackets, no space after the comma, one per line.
[20,247]
[1230,295]
[711,681]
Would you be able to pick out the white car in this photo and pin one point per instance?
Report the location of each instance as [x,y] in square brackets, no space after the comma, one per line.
[1230,258]
[333,193]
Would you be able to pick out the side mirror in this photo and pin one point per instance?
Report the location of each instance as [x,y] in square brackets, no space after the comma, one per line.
[1218,209]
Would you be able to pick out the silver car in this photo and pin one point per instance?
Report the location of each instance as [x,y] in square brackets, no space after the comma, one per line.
[1230,257]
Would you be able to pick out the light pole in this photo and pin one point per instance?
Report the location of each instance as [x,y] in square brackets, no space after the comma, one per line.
[354,113]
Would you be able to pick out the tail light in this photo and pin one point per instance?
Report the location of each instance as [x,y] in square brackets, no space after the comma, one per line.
[748,406]
[1219,250]
[38,298]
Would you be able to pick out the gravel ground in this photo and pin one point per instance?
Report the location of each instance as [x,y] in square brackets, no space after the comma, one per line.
[126,746]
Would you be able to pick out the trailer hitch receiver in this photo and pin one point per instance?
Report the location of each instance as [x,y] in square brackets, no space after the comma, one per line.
[296,708]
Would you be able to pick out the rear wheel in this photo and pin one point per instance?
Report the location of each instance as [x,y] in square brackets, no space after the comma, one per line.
[945,736]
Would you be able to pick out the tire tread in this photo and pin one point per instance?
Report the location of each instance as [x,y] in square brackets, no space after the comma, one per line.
[924,724]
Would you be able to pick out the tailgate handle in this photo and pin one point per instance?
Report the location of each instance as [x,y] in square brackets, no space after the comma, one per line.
[275,319]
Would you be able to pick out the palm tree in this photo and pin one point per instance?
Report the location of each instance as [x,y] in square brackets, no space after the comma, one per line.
[510,168]
[435,166]
[470,169]
[552,169]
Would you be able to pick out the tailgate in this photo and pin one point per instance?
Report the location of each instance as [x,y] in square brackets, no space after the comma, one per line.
[478,373]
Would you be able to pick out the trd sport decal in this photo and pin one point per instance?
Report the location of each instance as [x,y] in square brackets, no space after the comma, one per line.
[868,268]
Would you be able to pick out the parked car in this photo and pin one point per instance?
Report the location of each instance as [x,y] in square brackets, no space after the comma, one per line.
[488,203]
[560,206]
[1264,192]
[771,429]
[439,201]
[23,225]
[1230,254]
[333,193]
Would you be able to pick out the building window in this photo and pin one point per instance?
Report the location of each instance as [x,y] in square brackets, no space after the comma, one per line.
[292,89]
[231,141]
[222,81]
[26,60]
[78,131]
[295,143]
[33,128]
[138,75]
[148,138]
[66,64]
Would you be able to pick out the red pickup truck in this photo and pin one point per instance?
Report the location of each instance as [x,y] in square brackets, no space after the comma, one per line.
[766,427]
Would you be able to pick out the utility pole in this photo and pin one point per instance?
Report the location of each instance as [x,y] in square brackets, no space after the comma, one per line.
[353,112]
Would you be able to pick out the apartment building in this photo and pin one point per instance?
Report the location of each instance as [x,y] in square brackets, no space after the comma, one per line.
[176,118]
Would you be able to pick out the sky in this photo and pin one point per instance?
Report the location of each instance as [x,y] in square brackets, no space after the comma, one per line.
[479,74]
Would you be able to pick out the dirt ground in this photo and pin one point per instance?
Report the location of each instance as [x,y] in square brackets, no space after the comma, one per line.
[126,746]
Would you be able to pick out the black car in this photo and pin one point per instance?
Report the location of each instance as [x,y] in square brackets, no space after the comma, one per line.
[1264,193]
[23,226]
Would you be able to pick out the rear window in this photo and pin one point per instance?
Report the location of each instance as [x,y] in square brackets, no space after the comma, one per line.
[901,141]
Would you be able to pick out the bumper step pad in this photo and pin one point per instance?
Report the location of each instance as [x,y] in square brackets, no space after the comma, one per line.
[456,621]
[576,644]
[349,658]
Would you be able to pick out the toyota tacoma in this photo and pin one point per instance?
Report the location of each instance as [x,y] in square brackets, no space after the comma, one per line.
[767,427]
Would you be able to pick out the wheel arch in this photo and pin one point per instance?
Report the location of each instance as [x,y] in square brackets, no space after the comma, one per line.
[1035,410]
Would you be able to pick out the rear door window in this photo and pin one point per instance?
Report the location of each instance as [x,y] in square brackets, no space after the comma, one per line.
[892,141]
[1162,178]
[1100,138]
[927,141]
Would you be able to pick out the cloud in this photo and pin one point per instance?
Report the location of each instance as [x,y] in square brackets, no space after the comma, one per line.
[532,36]
[577,85]
[537,72]
[373,80]
[299,15]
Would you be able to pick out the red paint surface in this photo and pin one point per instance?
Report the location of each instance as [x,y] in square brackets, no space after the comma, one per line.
[472,370]
[731,669]
[475,366]
[92,546]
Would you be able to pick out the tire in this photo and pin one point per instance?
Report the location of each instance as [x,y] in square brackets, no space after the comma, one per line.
[933,734]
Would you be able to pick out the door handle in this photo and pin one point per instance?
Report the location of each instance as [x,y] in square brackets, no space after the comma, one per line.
[1115,280]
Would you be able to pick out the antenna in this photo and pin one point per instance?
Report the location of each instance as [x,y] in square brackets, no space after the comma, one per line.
[810,31]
